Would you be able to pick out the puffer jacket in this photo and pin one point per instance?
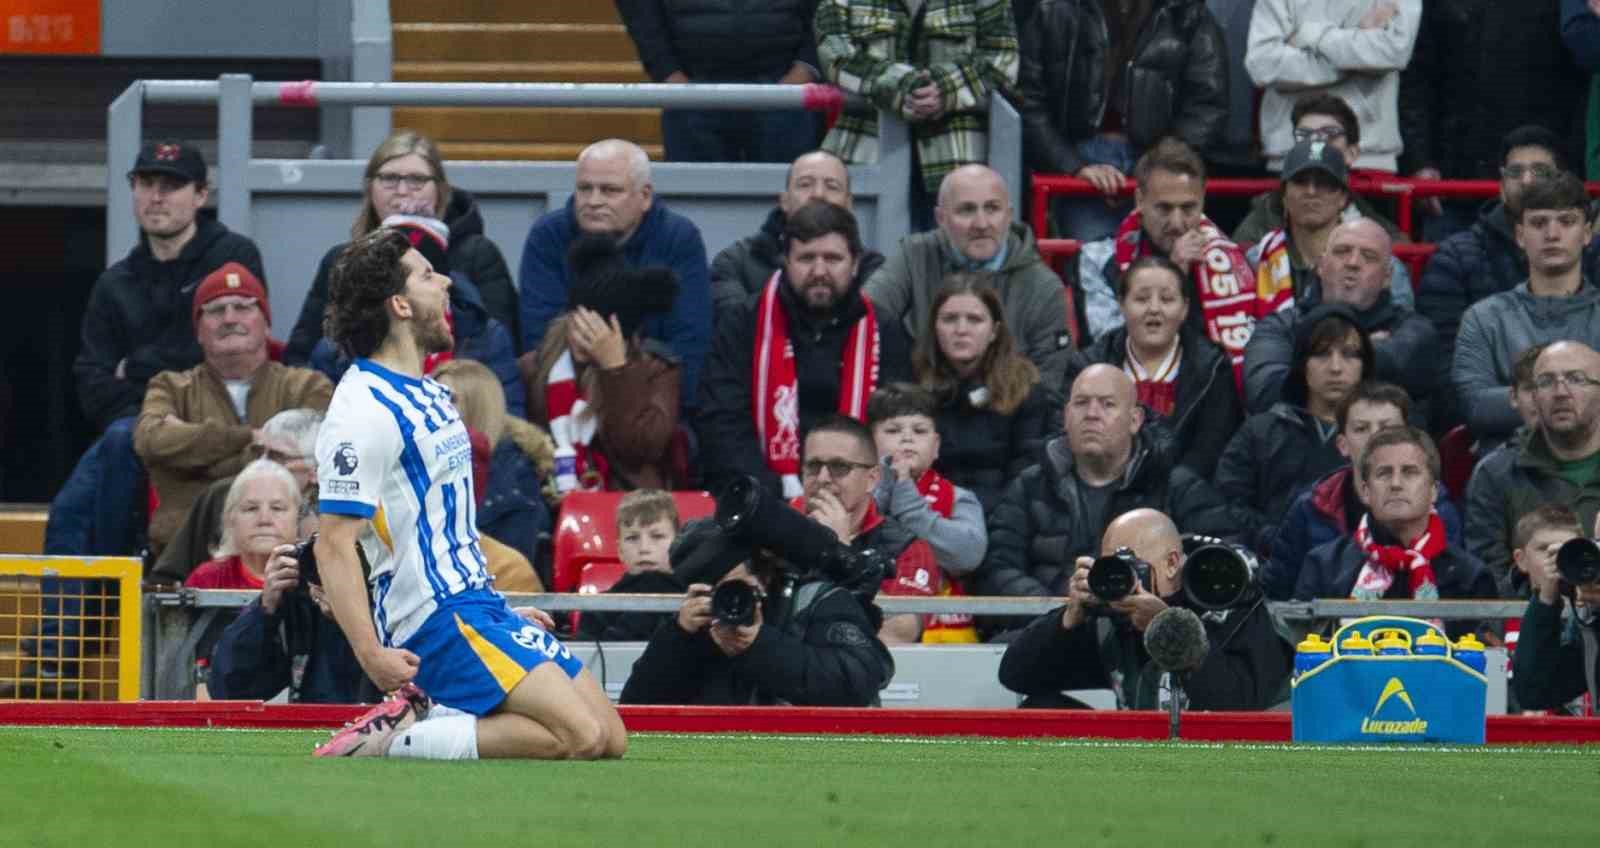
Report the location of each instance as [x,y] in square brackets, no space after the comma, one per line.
[1176,84]
[140,313]
[1498,328]
[471,254]
[1331,571]
[1207,412]
[982,450]
[1041,525]
[1472,265]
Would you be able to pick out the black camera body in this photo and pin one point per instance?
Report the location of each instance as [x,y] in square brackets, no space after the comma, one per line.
[305,553]
[1116,575]
[1218,575]
[734,603]
[1578,560]
[751,518]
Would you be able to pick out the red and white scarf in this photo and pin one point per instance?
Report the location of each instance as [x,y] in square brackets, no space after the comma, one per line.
[572,423]
[1275,270]
[948,628]
[1386,562]
[777,392]
[1230,301]
[1157,389]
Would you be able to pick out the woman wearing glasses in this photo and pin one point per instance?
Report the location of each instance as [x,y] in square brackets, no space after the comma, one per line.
[405,177]
[994,414]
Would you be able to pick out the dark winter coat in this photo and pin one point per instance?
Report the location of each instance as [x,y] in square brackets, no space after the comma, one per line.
[826,655]
[256,657]
[1327,511]
[721,40]
[982,450]
[1555,660]
[1176,83]
[742,268]
[1041,525]
[1207,412]
[726,424]
[632,626]
[1509,483]
[141,312]
[1482,68]
[1330,571]
[1245,669]
[471,255]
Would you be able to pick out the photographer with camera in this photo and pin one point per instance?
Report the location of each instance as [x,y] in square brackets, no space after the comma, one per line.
[1557,661]
[1094,641]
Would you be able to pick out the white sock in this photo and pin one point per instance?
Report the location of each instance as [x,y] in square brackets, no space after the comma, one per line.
[438,737]
[438,710]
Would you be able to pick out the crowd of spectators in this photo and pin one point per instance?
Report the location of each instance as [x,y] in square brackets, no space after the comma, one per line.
[1281,387]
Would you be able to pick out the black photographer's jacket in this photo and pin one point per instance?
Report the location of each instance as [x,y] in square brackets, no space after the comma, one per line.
[256,657]
[1549,665]
[1246,668]
[826,655]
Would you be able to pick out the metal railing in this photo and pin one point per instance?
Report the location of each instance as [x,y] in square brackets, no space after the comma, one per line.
[238,177]
[1406,191]
[176,621]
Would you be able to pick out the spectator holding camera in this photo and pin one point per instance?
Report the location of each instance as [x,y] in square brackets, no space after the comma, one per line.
[1093,644]
[812,647]
[1555,660]
[260,522]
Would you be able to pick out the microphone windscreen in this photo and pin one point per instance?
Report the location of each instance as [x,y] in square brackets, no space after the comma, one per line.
[1176,640]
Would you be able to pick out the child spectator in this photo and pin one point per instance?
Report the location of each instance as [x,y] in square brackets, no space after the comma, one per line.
[1539,534]
[938,511]
[647,526]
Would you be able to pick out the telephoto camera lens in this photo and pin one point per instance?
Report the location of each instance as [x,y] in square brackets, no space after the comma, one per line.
[1115,576]
[1220,576]
[733,603]
[1578,560]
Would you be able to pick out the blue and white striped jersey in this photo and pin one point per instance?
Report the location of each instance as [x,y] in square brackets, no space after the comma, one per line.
[394,450]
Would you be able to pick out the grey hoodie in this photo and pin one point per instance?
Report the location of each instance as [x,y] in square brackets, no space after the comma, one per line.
[1497,328]
[1033,296]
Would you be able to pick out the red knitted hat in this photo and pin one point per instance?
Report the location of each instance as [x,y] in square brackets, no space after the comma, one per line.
[231,279]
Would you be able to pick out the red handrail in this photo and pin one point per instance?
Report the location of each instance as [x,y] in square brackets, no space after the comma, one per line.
[1404,188]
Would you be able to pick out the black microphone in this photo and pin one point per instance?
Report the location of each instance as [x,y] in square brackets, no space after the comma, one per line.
[1178,645]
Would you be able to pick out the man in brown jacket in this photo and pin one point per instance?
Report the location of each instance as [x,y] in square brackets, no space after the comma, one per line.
[199,425]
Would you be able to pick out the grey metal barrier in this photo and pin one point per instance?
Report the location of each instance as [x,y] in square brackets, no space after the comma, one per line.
[176,621]
[297,208]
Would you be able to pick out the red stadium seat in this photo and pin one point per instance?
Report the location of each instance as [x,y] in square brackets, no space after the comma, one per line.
[1455,455]
[586,531]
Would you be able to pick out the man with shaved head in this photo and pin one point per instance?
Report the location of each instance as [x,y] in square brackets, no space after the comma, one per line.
[1559,462]
[1091,644]
[977,232]
[613,195]
[1354,270]
[1105,464]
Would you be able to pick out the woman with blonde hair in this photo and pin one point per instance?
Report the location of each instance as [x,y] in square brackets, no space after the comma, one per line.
[511,506]
[404,187]
[994,414]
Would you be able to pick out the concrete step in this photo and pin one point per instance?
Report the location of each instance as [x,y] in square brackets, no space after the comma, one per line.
[504,11]
[523,151]
[579,126]
[513,42]
[439,71]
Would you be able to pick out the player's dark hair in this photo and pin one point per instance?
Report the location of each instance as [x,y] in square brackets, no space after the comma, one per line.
[367,273]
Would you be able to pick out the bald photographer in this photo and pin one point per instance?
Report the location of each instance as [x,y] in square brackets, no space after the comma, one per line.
[1097,640]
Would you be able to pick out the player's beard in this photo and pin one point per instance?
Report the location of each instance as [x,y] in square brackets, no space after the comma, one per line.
[433,332]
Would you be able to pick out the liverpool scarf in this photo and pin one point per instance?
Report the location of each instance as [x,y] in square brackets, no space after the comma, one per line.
[1225,287]
[949,628]
[573,422]
[1386,562]
[776,394]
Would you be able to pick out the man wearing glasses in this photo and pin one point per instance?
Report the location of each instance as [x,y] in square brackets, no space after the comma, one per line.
[1558,462]
[1555,303]
[1486,259]
[1354,49]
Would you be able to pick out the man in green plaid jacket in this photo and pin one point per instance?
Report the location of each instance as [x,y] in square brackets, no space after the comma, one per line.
[932,62]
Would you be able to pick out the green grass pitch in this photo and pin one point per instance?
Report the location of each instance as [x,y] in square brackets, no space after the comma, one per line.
[168,788]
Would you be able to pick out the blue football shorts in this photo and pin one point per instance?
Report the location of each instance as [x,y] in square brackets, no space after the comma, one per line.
[474,649]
